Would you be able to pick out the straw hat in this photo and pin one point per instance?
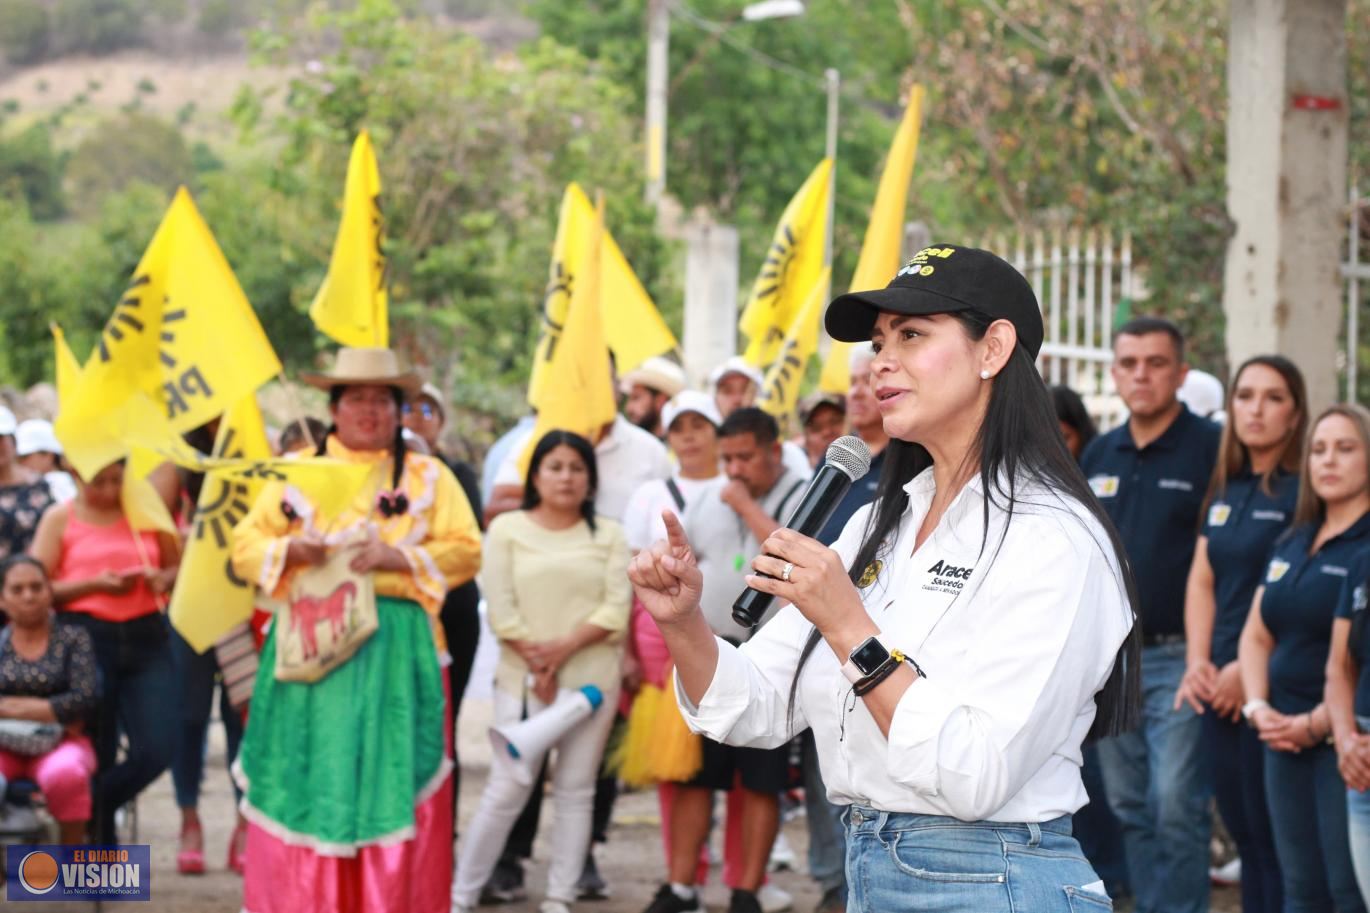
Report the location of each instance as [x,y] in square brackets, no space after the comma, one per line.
[365,366]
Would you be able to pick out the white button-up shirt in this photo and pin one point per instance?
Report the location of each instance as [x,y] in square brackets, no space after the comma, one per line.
[1016,638]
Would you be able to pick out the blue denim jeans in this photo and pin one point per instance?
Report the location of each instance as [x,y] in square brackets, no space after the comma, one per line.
[901,863]
[138,697]
[827,833]
[1238,757]
[196,675]
[1308,810]
[1097,829]
[1358,825]
[1158,785]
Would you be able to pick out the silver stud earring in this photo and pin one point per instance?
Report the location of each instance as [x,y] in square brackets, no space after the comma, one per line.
[984,375]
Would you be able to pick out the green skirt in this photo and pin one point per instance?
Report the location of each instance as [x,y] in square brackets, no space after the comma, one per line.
[341,763]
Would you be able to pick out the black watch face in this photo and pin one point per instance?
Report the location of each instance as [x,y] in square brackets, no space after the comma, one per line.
[869,656]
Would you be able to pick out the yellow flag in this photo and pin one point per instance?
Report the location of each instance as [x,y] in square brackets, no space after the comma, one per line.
[144,507]
[780,391]
[879,259]
[88,446]
[183,333]
[633,328]
[792,265]
[209,598]
[578,393]
[351,304]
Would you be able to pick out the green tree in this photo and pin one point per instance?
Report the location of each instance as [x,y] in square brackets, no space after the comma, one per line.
[98,26]
[25,34]
[125,150]
[475,151]
[31,169]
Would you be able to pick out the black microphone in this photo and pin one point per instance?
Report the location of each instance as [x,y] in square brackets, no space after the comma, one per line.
[848,459]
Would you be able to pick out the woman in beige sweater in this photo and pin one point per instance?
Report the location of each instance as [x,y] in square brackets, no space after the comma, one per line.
[556,586]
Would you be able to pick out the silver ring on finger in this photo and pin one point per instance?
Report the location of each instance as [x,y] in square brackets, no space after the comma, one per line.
[789,569]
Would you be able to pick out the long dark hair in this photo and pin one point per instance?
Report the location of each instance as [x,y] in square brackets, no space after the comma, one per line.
[1071,410]
[1233,454]
[1019,440]
[584,449]
[398,449]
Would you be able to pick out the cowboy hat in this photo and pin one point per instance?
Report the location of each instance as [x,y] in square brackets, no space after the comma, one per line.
[380,367]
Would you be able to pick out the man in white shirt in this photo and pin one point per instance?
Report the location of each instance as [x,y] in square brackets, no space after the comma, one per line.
[728,520]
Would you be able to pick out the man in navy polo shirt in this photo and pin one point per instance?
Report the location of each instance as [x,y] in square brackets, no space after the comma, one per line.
[1150,475]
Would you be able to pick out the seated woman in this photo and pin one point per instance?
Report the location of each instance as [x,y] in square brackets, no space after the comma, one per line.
[47,674]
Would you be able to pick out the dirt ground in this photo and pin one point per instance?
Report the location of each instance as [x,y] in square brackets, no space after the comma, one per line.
[631,862]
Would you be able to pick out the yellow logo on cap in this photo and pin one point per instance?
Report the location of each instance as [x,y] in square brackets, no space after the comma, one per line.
[918,265]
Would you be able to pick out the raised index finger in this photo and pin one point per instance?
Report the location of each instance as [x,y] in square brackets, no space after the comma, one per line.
[675,533]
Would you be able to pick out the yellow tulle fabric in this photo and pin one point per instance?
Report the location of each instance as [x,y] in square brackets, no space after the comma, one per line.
[658,747]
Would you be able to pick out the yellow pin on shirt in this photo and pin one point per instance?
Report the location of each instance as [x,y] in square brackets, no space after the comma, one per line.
[870,574]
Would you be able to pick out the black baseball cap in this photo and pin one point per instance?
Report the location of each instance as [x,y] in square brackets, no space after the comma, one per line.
[943,279]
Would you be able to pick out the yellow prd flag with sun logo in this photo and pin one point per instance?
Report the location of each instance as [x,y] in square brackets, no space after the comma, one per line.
[884,233]
[87,446]
[351,305]
[578,393]
[183,333]
[792,266]
[210,598]
[143,506]
[632,326]
[780,391]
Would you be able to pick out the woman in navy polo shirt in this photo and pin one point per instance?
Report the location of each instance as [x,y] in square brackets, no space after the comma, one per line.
[1348,704]
[1250,503]
[1283,655]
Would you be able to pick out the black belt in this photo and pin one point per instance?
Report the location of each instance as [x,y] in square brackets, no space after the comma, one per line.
[1160,640]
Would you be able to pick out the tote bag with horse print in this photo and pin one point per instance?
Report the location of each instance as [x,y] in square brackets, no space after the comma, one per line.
[329,615]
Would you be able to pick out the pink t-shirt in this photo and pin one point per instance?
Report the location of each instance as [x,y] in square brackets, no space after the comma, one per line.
[88,551]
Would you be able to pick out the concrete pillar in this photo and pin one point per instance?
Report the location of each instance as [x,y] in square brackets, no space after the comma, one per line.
[1286,184]
[711,275]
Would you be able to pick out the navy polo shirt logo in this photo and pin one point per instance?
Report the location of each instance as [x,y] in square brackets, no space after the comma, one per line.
[1334,570]
[1278,568]
[1277,516]
[1104,486]
[1175,484]
[1358,599]
[1218,514]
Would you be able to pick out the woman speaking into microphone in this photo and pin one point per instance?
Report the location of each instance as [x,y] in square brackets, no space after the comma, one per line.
[965,634]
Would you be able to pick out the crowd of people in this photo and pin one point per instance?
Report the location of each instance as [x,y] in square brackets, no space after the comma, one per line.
[1238,532]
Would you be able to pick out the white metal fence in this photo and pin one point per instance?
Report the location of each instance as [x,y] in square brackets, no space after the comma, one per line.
[1080,278]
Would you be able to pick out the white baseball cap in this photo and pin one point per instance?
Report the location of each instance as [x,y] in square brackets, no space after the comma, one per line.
[35,435]
[1201,392]
[736,365]
[690,401]
[8,423]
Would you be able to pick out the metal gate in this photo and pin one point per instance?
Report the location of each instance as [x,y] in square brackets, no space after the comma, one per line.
[1084,283]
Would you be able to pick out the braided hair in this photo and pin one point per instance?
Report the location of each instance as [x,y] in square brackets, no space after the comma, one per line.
[394,502]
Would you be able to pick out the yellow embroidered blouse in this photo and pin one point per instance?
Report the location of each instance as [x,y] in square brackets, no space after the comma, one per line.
[437,534]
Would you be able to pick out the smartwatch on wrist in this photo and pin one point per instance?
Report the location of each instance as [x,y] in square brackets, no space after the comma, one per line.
[868,656]
[1250,708]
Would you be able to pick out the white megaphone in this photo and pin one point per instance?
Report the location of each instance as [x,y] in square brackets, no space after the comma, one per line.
[524,743]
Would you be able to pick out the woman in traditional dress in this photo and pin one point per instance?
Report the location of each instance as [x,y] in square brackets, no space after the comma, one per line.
[348,777]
